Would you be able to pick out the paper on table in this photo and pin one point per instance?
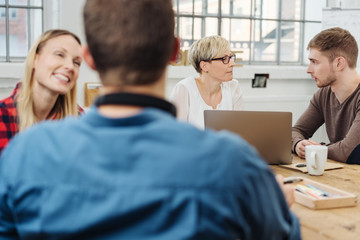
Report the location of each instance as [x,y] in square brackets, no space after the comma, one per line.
[328,166]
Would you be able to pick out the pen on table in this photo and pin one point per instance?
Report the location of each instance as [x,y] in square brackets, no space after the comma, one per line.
[308,191]
[318,190]
[292,180]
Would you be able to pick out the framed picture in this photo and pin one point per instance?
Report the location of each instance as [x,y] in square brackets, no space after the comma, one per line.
[260,80]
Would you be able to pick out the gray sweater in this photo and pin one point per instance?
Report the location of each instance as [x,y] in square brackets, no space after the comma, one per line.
[342,122]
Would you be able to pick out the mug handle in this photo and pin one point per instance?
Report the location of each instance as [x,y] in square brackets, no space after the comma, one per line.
[313,160]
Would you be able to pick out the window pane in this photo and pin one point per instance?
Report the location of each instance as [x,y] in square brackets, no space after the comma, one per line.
[185,30]
[313,9]
[225,28]
[225,7]
[211,26]
[311,29]
[240,29]
[240,37]
[198,7]
[213,7]
[290,42]
[267,9]
[198,29]
[265,40]
[2,1]
[185,7]
[36,3]
[2,36]
[241,8]
[19,34]
[291,9]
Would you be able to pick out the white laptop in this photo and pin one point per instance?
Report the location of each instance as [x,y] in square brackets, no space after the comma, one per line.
[269,132]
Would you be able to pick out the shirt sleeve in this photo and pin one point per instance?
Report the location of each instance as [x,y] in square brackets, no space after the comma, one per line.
[237,96]
[8,127]
[263,212]
[7,221]
[181,98]
[308,122]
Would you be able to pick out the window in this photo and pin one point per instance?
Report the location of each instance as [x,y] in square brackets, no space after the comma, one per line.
[272,32]
[21,22]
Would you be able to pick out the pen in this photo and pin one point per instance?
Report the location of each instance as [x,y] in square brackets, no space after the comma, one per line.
[318,190]
[302,189]
[292,180]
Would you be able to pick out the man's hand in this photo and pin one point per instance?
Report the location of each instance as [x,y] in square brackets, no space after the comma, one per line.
[288,189]
[300,147]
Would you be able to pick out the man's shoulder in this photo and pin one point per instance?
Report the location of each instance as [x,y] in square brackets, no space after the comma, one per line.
[223,144]
[48,129]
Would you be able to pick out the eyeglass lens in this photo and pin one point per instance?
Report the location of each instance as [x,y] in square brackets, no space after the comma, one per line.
[226,59]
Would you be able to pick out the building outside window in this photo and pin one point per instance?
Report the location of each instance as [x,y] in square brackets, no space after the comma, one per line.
[274,32]
[21,22]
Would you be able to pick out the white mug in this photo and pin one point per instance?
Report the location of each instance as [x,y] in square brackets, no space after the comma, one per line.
[316,156]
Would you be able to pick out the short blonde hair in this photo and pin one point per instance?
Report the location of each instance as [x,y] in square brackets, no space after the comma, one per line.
[205,49]
[65,104]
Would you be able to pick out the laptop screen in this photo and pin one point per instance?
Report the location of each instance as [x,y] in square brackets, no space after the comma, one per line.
[269,132]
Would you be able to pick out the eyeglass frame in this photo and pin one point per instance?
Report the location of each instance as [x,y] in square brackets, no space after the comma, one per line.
[233,57]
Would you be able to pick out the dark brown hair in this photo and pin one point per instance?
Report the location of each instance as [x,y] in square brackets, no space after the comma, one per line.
[336,42]
[131,38]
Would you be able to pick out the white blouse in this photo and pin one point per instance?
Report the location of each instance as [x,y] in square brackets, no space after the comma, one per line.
[190,105]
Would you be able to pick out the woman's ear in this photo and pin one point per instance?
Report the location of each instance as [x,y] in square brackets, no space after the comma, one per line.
[88,58]
[204,66]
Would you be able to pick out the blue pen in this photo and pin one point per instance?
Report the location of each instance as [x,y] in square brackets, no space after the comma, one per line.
[316,189]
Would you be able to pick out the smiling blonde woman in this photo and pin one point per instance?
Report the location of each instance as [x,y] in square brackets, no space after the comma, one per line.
[215,88]
[48,88]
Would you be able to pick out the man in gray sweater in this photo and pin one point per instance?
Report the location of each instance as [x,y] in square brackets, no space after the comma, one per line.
[333,56]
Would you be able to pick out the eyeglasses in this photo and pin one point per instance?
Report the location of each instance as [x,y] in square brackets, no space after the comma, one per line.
[225,59]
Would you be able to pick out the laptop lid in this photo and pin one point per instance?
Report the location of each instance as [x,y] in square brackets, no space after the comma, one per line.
[269,132]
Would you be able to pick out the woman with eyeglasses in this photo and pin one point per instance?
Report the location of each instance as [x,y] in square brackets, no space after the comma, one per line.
[215,88]
[48,88]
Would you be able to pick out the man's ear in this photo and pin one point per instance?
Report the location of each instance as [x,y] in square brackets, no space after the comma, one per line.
[88,58]
[340,63]
[175,50]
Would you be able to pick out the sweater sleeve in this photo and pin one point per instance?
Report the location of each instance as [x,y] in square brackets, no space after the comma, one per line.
[346,149]
[308,122]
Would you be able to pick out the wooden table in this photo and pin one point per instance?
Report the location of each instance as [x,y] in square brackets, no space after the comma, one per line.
[336,223]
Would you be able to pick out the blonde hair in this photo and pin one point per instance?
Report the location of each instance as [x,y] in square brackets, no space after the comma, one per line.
[205,49]
[64,106]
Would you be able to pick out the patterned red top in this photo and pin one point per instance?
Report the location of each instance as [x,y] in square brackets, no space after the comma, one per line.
[9,117]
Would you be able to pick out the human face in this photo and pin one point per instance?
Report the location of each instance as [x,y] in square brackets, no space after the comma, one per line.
[220,71]
[320,68]
[57,65]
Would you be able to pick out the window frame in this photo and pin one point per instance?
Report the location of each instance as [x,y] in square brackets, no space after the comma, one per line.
[8,7]
[302,21]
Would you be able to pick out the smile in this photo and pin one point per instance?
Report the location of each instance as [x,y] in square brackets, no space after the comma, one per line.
[61,77]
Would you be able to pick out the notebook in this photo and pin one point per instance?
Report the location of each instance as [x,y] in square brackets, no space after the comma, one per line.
[269,132]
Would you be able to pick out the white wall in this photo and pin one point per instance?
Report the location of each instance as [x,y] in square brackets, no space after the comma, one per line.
[288,89]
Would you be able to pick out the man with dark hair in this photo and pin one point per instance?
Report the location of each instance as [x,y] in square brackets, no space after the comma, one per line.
[127,169]
[333,56]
